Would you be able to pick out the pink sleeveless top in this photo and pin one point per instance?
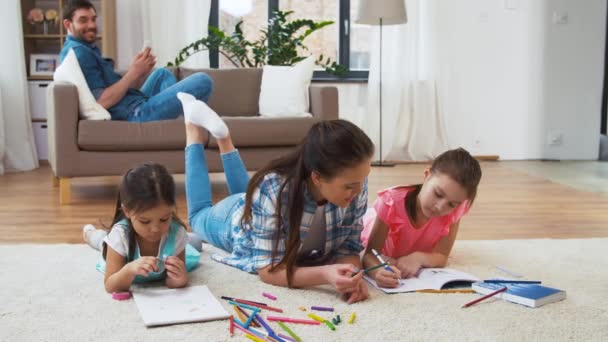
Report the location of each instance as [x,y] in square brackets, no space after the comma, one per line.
[403,238]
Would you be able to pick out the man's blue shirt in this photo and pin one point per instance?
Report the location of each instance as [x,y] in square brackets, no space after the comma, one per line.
[99,74]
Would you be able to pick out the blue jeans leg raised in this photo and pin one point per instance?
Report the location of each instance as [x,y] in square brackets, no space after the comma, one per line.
[213,222]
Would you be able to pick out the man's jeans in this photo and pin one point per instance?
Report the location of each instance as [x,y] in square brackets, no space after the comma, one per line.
[161,87]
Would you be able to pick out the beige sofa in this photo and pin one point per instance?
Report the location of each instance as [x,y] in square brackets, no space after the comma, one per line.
[83,148]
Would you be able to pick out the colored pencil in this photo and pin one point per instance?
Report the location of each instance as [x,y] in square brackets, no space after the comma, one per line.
[331,326]
[264,324]
[269,296]
[246,306]
[289,331]
[500,281]
[485,297]
[316,318]
[239,325]
[369,269]
[352,318]
[321,308]
[244,301]
[231,325]
[265,307]
[292,320]
[254,338]
[447,291]
[379,257]
[243,316]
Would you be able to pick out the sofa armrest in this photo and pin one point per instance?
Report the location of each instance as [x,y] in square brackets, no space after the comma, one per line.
[324,102]
[62,120]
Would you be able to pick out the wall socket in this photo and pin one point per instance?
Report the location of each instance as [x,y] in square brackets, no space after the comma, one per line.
[555,139]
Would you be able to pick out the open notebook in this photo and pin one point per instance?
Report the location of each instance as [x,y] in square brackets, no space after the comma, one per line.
[431,279]
[162,306]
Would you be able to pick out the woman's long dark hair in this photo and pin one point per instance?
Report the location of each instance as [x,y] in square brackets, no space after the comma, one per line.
[329,148]
[460,166]
[142,188]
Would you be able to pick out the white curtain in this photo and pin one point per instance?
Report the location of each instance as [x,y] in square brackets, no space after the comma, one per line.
[169,25]
[412,113]
[17,147]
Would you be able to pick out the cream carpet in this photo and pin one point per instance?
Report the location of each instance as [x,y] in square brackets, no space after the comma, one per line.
[54,293]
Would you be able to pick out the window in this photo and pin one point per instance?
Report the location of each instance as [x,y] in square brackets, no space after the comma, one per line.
[345,42]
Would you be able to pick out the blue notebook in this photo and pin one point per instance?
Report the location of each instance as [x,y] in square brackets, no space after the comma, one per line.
[531,295]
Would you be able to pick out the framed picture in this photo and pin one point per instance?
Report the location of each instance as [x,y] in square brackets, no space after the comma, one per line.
[43,65]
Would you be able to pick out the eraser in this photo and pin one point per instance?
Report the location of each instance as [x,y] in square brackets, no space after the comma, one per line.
[121,295]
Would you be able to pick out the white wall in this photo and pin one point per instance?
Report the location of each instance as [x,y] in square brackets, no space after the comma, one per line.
[513,78]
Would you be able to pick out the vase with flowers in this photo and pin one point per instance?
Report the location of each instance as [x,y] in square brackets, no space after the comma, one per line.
[36,17]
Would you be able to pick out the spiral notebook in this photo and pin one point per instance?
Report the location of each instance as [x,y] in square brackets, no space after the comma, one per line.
[163,306]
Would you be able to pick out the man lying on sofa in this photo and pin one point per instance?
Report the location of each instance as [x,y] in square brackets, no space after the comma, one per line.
[155,100]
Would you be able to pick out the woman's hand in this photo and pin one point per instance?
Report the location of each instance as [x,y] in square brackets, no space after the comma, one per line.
[386,278]
[341,277]
[408,266]
[142,266]
[360,294]
[177,275]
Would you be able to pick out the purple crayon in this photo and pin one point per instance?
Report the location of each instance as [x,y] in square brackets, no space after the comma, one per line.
[321,308]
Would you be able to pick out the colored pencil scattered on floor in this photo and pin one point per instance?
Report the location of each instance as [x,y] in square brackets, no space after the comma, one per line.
[331,326]
[264,307]
[302,308]
[485,297]
[351,320]
[231,325]
[285,337]
[291,320]
[289,331]
[269,296]
[316,318]
[321,308]
[242,300]
[253,338]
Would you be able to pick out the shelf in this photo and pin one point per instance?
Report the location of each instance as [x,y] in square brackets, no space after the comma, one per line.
[40,78]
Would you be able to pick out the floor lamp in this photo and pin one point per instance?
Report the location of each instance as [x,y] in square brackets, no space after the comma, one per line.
[381,12]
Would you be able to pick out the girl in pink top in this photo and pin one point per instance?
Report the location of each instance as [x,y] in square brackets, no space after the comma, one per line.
[415,226]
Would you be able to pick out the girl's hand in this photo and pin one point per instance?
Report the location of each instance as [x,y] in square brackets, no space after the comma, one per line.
[409,268]
[361,294]
[341,277]
[176,269]
[386,278]
[143,266]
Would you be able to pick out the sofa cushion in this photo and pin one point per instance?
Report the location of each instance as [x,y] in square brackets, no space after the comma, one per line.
[235,91]
[262,131]
[132,136]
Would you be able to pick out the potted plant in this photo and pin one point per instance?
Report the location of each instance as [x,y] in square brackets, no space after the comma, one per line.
[277,45]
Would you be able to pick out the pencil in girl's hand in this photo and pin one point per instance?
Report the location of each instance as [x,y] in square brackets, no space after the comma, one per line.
[485,297]
[369,269]
[379,257]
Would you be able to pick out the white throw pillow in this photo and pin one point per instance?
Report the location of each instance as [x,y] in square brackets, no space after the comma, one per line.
[69,71]
[284,89]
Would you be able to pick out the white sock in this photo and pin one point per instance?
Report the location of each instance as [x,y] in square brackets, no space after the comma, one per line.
[93,236]
[198,113]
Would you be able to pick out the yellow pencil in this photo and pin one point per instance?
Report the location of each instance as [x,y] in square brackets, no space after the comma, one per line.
[447,291]
[352,318]
[254,338]
[316,318]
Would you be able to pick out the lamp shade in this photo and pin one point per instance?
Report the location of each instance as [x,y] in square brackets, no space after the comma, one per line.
[392,12]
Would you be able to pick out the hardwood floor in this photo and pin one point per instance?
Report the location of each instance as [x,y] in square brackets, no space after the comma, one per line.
[510,205]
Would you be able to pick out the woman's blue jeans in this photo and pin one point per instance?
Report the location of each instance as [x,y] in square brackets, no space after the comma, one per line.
[213,222]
